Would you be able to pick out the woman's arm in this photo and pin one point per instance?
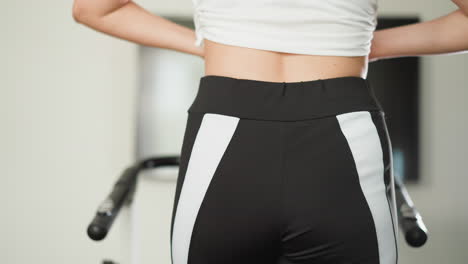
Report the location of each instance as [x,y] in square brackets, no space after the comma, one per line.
[463,5]
[127,20]
[444,35]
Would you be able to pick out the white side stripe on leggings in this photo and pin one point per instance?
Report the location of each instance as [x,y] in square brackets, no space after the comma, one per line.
[364,142]
[212,139]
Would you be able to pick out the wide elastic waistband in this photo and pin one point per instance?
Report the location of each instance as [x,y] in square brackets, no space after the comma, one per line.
[283,101]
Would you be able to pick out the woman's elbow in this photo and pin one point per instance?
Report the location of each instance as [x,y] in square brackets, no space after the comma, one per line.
[84,10]
[78,11]
[89,9]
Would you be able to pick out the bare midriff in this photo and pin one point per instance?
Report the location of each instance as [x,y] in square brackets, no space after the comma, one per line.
[264,65]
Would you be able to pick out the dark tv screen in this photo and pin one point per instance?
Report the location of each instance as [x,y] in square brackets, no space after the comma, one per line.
[396,85]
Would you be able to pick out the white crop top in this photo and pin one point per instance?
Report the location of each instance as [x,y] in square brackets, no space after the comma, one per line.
[320,27]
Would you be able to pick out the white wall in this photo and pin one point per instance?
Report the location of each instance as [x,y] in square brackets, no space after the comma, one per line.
[67,102]
[66,131]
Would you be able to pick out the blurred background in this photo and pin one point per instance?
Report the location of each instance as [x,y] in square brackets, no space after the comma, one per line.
[77,107]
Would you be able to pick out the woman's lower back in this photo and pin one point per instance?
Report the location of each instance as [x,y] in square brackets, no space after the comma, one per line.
[247,63]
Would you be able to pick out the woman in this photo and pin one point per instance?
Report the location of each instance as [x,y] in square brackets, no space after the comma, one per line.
[286,156]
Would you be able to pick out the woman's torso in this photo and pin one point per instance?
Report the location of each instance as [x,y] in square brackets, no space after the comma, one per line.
[249,63]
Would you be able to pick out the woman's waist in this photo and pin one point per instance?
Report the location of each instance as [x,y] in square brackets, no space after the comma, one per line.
[265,65]
[268,100]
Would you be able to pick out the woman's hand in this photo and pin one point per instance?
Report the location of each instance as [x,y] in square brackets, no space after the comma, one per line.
[126,20]
[444,35]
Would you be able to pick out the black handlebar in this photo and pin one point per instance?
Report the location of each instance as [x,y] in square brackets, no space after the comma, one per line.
[110,207]
[410,221]
[409,218]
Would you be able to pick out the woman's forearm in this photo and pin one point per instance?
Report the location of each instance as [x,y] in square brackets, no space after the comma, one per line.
[129,21]
[443,35]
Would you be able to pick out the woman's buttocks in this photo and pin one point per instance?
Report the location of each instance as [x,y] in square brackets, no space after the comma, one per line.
[265,65]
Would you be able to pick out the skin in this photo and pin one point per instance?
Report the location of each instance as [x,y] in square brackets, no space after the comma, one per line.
[127,20]
[444,35]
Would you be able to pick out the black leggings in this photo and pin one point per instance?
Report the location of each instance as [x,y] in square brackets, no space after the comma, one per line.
[283,173]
